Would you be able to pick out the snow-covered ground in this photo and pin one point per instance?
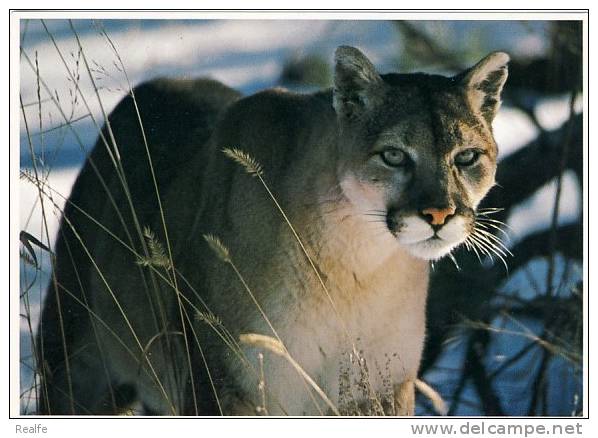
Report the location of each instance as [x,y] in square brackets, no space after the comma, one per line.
[248,55]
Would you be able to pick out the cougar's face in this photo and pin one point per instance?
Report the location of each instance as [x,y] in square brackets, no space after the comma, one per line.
[416,151]
[420,171]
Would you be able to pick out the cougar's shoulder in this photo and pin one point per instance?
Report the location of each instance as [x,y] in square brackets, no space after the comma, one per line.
[278,127]
[288,134]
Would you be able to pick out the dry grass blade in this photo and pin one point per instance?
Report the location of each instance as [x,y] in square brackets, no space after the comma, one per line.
[223,253]
[437,402]
[526,333]
[28,259]
[27,239]
[262,409]
[276,347]
[255,169]
[213,321]
[264,342]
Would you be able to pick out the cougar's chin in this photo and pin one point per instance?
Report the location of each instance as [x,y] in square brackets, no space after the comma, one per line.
[419,238]
[431,249]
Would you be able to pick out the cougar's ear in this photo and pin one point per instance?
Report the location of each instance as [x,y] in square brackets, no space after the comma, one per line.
[483,84]
[357,84]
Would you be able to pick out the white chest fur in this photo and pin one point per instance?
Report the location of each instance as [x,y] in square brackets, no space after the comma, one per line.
[376,302]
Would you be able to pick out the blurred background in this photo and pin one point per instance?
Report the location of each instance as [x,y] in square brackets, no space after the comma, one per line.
[500,341]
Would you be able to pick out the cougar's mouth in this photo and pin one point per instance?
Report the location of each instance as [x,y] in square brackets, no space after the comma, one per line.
[474,232]
[427,242]
[470,228]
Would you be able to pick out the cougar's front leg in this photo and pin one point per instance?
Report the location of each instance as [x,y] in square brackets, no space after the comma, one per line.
[405,398]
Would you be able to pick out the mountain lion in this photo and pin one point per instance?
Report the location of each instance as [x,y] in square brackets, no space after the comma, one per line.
[320,239]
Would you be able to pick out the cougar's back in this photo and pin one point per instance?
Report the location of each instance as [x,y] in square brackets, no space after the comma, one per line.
[168,119]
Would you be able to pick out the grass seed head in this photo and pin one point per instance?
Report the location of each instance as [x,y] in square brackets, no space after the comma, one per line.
[218,247]
[251,165]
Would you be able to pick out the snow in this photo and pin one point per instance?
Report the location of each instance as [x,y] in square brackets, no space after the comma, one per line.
[536,213]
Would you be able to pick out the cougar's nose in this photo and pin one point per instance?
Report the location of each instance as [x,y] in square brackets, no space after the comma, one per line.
[438,216]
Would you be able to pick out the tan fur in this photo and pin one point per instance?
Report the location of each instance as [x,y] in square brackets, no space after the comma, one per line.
[362,221]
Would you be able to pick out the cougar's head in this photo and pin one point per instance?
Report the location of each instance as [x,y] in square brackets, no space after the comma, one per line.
[416,151]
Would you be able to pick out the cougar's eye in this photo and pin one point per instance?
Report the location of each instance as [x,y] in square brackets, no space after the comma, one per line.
[394,157]
[467,157]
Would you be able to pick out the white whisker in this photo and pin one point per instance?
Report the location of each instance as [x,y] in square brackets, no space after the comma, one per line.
[492,248]
[470,245]
[482,246]
[497,242]
[486,226]
[487,211]
[452,257]
[494,221]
